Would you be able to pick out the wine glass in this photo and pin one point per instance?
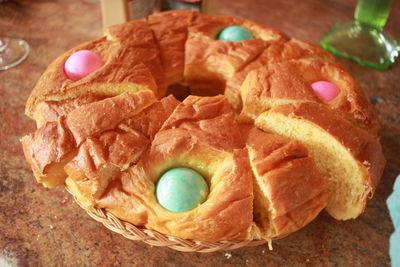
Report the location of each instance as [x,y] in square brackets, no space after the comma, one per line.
[363,40]
[12,52]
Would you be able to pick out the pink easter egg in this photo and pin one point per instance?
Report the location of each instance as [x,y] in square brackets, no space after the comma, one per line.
[82,63]
[326,91]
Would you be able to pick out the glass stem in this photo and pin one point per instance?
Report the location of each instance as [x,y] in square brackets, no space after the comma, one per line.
[373,12]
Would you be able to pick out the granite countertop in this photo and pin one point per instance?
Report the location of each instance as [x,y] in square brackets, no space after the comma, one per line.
[44,227]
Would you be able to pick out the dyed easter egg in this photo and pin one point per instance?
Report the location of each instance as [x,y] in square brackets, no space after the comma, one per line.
[82,63]
[234,33]
[326,91]
[181,189]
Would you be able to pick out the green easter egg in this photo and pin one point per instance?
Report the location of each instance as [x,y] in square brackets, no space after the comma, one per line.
[234,33]
[181,189]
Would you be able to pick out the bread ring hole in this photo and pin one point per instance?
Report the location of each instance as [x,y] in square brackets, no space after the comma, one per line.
[181,91]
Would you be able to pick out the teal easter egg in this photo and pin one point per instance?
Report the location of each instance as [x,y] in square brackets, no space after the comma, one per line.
[235,34]
[181,189]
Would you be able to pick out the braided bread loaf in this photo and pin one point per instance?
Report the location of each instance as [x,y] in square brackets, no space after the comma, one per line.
[242,114]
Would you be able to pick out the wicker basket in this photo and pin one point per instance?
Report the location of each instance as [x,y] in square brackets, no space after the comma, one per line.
[155,238]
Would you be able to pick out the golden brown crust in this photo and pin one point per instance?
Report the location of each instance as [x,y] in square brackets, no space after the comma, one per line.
[210,61]
[290,81]
[288,183]
[47,148]
[103,115]
[116,76]
[50,110]
[295,49]
[275,52]
[227,212]
[134,33]
[263,88]
[363,146]
[149,121]
[55,143]
[138,37]
[170,32]
[351,99]
[100,161]
[102,158]
[209,117]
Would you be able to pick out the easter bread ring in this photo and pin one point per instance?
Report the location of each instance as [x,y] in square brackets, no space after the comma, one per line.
[248,116]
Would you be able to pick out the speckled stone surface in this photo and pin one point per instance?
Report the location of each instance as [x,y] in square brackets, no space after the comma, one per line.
[43,227]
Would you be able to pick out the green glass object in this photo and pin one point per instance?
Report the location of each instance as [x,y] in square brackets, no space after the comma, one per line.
[362,40]
[373,12]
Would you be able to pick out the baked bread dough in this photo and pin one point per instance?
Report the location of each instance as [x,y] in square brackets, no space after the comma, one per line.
[286,184]
[273,154]
[275,52]
[181,141]
[170,30]
[349,157]
[209,63]
[54,143]
[61,95]
[289,82]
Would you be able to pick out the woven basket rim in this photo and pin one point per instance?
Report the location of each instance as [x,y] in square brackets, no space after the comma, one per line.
[154,238]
